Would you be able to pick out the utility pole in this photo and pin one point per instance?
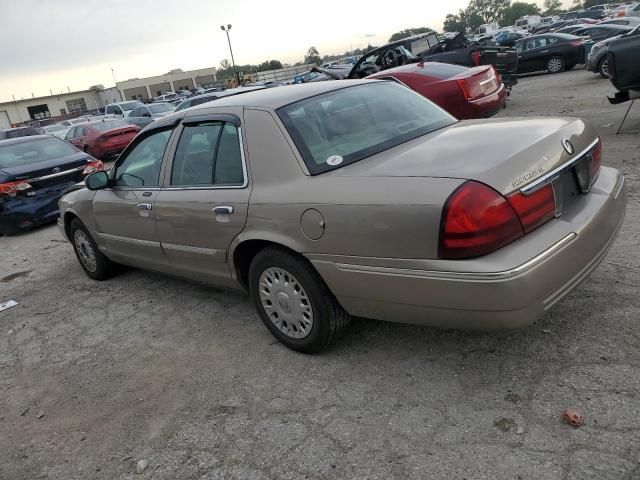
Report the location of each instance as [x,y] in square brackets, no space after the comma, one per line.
[233,62]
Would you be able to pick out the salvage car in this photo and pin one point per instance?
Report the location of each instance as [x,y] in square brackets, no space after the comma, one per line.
[34,172]
[465,93]
[624,68]
[210,97]
[103,139]
[362,198]
[17,132]
[553,52]
[145,114]
[597,59]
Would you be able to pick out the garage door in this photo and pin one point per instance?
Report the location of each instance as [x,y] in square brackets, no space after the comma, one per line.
[4,119]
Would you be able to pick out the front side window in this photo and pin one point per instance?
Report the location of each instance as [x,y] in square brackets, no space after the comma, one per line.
[160,108]
[141,166]
[137,112]
[208,154]
[346,125]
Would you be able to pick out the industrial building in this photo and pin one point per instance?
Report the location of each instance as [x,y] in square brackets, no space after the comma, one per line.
[56,106]
[143,88]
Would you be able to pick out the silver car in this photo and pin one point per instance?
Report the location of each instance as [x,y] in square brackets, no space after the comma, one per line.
[356,198]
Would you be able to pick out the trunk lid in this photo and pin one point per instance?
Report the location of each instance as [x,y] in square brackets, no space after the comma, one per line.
[506,154]
[62,171]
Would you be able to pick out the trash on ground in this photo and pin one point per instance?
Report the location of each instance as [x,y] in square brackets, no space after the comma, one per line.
[573,417]
[9,304]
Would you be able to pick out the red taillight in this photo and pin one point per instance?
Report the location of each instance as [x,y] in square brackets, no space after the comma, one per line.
[93,167]
[479,84]
[12,188]
[596,159]
[476,220]
[534,209]
[475,58]
[464,86]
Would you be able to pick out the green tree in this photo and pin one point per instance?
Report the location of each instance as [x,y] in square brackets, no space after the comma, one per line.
[407,32]
[488,10]
[269,65]
[312,56]
[453,23]
[517,10]
[576,5]
[225,64]
[552,7]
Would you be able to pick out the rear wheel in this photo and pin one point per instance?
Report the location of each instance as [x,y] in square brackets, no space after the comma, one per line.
[603,68]
[91,259]
[555,64]
[293,301]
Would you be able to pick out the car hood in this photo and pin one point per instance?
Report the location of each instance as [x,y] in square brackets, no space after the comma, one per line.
[504,153]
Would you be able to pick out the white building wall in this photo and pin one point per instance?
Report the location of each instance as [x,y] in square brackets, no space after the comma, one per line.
[160,79]
[18,113]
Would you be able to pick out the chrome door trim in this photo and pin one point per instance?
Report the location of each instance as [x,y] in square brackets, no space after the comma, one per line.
[133,241]
[214,252]
[474,276]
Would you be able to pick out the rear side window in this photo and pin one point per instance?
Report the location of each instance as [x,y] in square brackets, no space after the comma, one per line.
[208,154]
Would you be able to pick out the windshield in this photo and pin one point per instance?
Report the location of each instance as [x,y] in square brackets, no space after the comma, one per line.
[126,106]
[160,108]
[343,126]
[109,125]
[40,150]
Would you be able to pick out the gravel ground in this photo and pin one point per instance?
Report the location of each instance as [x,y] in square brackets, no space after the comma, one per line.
[98,376]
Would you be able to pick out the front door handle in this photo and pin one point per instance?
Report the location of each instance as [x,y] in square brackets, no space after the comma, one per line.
[223,210]
[145,206]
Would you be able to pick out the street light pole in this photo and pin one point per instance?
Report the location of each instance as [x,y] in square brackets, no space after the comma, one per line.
[233,62]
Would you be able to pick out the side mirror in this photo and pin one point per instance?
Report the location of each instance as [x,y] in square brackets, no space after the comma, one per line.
[97,181]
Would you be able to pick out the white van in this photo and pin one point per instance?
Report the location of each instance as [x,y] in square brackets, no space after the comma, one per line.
[121,109]
[528,22]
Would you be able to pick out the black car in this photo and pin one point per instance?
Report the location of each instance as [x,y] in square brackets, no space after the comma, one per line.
[593,14]
[597,58]
[596,33]
[34,172]
[510,38]
[624,68]
[210,97]
[571,29]
[554,52]
[18,132]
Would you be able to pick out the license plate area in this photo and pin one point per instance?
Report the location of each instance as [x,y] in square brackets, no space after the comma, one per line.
[582,171]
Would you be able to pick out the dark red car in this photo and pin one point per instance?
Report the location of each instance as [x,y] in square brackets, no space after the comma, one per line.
[463,92]
[103,138]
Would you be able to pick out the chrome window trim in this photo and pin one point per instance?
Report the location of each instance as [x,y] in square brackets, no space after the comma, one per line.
[245,175]
[530,188]
[54,175]
[463,276]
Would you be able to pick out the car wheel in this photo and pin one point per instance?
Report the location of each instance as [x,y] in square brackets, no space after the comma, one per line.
[293,301]
[91,259]
[555,64]
[603,68]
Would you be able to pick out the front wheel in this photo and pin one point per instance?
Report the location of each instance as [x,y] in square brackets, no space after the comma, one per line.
[91,259]
[603,68]
[555,64]
[293,301]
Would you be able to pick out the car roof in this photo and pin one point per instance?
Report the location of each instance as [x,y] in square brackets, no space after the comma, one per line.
[280,96]
[28,138]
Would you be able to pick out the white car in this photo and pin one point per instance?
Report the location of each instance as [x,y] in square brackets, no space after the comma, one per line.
[57,130]
[121,109]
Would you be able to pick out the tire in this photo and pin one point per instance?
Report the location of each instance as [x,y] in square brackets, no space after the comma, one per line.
[555,64]
[276,276]
[603,67]
[85,247]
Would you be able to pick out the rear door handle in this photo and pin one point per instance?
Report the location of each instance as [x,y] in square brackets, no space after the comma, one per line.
[145,206]
[223,210]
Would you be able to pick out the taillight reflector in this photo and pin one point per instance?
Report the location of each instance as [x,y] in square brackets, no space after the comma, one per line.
[596,159]
[476,220]
[12,188]
[534,209]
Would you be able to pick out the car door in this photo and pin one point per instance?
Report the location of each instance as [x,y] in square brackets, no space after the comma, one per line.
[69,137]
[136,116]
[124,213]
[203,204]
[526,55]
[80,137]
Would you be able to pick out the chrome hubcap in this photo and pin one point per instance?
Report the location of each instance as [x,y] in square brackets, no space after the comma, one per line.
[555,64]
[285,302]
[86,254]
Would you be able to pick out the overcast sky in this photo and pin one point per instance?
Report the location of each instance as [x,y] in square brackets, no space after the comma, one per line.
[55,44]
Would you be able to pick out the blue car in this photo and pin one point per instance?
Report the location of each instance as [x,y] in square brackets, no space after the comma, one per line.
[34,172]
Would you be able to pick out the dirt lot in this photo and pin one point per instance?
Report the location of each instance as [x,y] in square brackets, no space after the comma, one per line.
[97,376]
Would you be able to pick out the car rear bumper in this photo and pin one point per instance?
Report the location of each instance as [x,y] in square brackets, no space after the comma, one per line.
[30,212]
[488,106]
[491,292]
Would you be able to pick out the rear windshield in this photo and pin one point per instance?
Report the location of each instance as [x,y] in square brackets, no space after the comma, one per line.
[108,125]
[343,126]
[160,108]
[38,150]
[54,128]
[126,106]
[440,70]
